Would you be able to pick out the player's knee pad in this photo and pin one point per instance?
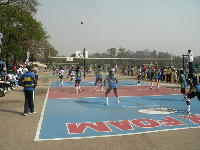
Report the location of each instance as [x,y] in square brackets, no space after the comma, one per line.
[116,94]
[107,94]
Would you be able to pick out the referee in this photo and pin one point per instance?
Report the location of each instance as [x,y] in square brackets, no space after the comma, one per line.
[29,82]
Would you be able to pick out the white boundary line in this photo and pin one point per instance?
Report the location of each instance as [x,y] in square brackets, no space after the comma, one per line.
[86,137]
[41,116]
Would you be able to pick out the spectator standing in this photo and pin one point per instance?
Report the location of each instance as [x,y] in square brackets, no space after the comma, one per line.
[36,72]
[132,69]
[164,74]
[175,75]
[168,75]
[149,73]
[190,61]
[29,82]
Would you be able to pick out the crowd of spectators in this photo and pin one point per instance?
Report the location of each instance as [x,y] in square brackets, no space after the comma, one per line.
[9,76]
[167,74]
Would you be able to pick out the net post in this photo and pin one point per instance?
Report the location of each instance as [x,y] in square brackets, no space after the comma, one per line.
[84,61]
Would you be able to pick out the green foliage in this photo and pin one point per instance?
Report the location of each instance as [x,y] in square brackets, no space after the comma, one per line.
[21,30]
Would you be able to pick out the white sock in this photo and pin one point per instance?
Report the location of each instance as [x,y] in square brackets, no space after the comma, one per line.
[106,100]
[188,108]
[102,88]
[151,85]
[117,100]
[95,88]
[158,87]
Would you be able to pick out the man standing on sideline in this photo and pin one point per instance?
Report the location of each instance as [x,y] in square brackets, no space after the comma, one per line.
[29,82]
[190,61]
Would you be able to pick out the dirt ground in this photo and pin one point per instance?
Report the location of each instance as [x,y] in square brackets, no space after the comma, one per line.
[17,132]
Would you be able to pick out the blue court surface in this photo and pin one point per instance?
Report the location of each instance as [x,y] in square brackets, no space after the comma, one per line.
[91,83]
[88,117]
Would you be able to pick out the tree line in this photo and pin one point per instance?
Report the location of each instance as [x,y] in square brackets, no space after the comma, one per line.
[151,57]
[22,32]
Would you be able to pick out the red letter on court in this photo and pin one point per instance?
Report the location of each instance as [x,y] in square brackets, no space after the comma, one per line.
[145,123]
[73,128]
[122,125]
[192,118]
[169,121]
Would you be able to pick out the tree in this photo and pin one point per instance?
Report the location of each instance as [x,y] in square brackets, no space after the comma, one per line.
[112,52]
[21,29]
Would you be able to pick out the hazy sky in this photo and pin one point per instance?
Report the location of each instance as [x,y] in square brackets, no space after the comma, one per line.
[171,26]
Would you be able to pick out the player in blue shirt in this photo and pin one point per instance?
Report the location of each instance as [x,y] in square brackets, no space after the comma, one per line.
[99,77]
[112,84]
[78,79]
[155,78]
[182,81]
[194,91]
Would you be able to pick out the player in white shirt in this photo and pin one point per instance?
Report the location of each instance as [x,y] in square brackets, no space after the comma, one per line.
[61,72]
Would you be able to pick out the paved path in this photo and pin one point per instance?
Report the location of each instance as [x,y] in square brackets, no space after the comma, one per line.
[18,132]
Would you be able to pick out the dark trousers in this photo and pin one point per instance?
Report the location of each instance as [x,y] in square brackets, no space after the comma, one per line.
[191,67]
[29,101]
[168,78]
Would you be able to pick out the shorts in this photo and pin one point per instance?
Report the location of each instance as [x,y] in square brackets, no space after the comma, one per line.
[193,94]
[61,76]
[98,80]
[183,91]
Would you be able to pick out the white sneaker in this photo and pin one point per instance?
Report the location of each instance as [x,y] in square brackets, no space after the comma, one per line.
[117,101]
[32,112]
[187,112]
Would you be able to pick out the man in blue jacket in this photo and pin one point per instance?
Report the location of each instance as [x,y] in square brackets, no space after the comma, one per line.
[29,82]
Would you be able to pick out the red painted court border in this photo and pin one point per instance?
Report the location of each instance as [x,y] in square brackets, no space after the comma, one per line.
[69,92]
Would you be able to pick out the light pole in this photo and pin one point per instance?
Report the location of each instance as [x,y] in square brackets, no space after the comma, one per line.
[1,36]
